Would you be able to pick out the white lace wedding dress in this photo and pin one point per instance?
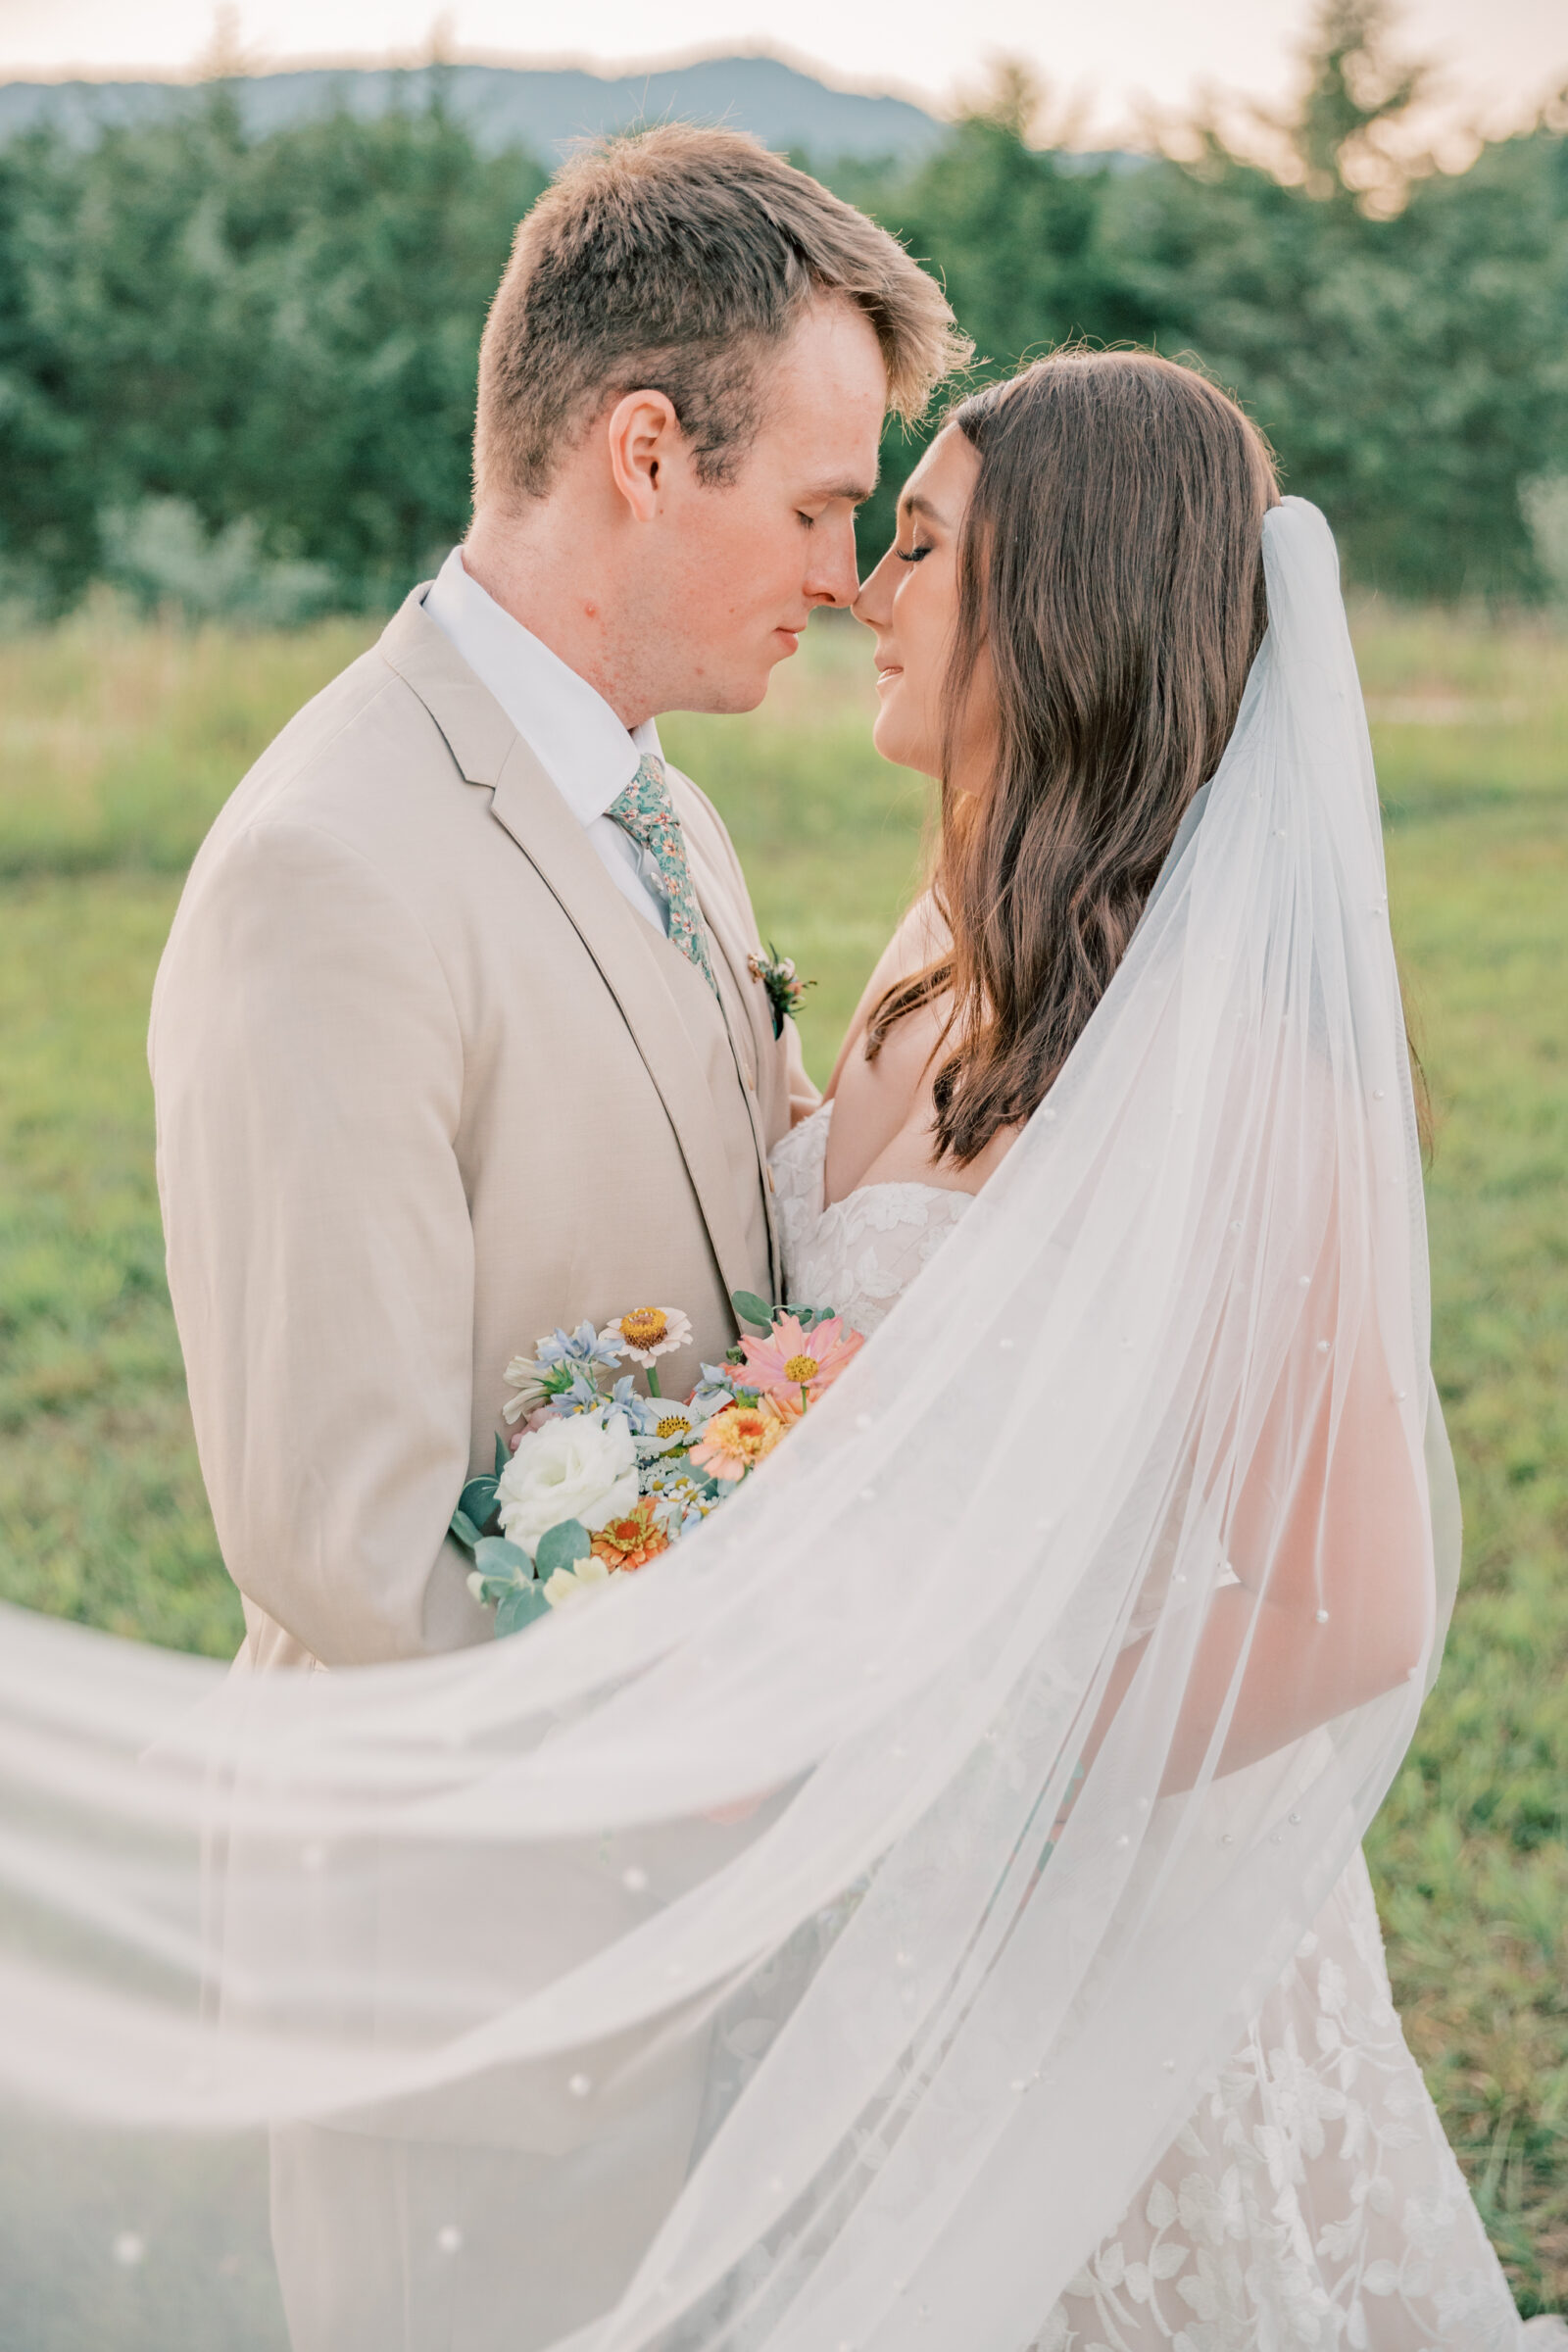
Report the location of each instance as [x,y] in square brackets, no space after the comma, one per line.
[1311,2200]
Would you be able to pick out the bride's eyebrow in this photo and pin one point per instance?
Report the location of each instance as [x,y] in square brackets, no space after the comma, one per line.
[918,505]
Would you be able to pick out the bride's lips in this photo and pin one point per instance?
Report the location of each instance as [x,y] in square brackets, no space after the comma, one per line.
[887,672]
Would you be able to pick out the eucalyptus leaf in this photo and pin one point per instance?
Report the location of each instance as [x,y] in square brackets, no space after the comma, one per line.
[477,1502]
[749,1309]
[493,1556]
[561,1546]
[520,1607]
[464,1529]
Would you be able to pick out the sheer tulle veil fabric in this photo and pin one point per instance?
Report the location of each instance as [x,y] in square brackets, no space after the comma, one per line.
[986,1757]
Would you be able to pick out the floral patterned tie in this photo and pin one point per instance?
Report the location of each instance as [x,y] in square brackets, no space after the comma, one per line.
[647,813]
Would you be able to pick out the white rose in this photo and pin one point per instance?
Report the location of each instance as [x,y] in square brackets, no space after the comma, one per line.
[572,1467]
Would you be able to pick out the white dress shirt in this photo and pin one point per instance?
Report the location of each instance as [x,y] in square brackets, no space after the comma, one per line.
[568,727]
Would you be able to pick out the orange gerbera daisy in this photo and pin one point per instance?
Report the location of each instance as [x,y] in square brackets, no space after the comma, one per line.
[738,1438]
[797,1363]
[633,1540]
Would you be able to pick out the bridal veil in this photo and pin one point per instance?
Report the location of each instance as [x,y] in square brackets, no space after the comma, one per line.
[937,1814]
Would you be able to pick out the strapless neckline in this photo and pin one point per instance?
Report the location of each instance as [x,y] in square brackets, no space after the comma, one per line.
[857,1255]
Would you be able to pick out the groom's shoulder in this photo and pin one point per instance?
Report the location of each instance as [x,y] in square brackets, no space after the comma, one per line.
[370,759]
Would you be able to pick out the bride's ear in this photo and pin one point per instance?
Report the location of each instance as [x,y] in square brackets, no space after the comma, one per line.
[643,435]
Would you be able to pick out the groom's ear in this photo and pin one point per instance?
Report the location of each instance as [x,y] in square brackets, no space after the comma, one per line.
[645,440]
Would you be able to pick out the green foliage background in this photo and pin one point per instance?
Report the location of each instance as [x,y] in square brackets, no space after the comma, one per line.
[280,331]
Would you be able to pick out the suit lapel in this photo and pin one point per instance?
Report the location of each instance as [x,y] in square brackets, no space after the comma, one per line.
[489,751]
[731,962]
[730,952]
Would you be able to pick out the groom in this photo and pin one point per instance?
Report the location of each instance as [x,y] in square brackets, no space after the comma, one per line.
[456,1037]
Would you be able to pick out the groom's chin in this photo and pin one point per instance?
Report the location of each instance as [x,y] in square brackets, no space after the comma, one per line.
[783,646]
[729,696]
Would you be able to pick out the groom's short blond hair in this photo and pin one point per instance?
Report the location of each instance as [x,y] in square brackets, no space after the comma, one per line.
[671,261]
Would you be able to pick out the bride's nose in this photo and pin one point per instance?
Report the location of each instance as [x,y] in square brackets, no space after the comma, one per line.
[873,603]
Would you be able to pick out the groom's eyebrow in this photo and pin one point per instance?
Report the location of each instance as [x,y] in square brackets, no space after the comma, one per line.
[856,492]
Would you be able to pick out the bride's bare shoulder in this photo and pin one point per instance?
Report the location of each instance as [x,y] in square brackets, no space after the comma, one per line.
[921,937]
[883,1128]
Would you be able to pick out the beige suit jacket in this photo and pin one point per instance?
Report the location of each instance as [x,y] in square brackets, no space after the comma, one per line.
[427,1085]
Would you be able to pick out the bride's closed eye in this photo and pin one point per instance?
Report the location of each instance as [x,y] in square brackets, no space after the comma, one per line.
[911,555]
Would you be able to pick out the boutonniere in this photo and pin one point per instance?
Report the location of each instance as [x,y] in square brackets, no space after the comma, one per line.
[784,991]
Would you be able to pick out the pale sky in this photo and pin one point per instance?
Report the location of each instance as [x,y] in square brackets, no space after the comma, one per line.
[1503,56]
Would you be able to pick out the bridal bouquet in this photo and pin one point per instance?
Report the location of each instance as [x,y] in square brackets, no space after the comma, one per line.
[601,1476]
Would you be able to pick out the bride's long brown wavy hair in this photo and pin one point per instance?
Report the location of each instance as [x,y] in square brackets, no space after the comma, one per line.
[1111,564]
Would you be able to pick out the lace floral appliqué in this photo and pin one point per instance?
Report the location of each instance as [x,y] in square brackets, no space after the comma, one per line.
[1312,2199]
[861,1254]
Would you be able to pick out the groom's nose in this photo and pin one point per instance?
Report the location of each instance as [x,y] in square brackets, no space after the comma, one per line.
[832,577]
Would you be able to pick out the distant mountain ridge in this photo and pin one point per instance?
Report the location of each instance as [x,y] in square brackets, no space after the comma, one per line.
[544,109]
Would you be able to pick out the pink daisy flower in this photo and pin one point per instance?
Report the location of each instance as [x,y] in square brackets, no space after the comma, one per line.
[794,1363]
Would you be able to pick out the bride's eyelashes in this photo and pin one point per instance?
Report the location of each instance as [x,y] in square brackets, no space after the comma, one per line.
[911,555]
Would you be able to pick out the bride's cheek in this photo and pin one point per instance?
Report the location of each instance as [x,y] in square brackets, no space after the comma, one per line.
[885,728]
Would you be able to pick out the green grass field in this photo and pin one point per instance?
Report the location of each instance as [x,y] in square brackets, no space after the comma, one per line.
[118,744]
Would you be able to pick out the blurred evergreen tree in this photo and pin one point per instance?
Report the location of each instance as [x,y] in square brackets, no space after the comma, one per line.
[1358,92]
[373,251]
[48,476]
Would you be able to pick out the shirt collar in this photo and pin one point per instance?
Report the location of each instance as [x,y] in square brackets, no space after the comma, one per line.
[566,723]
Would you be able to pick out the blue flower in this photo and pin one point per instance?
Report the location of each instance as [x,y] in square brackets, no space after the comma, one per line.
[624,1392]
[639,1411]
[585,1346]
[582,1395]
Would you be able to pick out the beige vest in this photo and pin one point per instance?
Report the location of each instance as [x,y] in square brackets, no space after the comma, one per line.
[427,1085]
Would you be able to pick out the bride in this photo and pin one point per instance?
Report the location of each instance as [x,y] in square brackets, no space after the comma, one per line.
[1064,630]
[922,1911]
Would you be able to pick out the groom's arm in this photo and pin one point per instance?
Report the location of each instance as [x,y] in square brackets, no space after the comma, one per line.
[308,1067]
